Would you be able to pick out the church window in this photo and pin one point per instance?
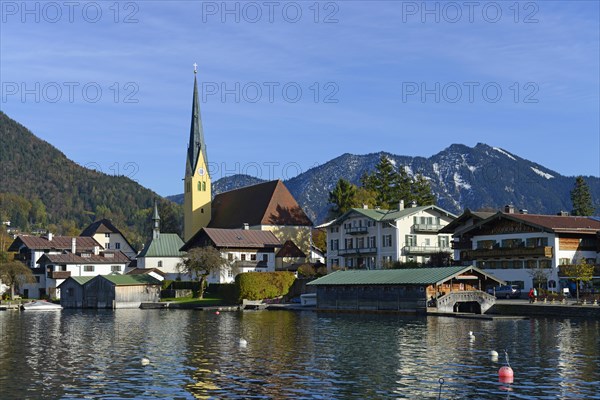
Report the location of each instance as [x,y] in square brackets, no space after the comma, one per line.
[204,186]
[160,264]
[199,186]
[202,211]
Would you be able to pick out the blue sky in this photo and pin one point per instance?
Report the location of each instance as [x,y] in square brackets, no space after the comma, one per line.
[110,83]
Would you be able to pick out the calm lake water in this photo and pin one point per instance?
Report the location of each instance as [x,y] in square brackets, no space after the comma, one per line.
[194,354]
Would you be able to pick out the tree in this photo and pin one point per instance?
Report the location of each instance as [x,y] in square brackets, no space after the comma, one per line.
[421,191]
[201,262]
[15,273]
[581,198]
[364,196]
[581,272]
[319,239]
[539,275]
[342,197]
[384,182]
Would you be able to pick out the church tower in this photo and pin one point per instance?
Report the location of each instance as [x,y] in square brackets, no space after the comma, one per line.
[197,185]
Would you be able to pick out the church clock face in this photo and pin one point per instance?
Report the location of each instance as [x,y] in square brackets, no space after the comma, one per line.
[201,171]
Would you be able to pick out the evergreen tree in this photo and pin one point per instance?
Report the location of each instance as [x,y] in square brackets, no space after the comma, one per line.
[581,198]
[421,191]
[403,186]
[342,197]
[384,183]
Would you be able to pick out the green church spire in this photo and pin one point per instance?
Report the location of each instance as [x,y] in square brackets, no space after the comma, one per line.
[196,144]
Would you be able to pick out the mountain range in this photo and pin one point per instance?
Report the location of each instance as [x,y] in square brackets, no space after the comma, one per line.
[41,188]
[461,177]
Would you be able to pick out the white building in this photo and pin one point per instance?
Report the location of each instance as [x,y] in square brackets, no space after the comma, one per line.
[109,236]
[162,252]
[58,267]
[246,250]
[373,238]
[515,246]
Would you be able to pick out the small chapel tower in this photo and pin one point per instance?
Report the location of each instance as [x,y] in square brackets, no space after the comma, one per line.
[197,185]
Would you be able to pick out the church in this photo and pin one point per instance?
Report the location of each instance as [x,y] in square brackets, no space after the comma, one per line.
[267,206]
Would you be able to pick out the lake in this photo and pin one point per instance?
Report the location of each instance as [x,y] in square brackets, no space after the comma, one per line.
[77,354]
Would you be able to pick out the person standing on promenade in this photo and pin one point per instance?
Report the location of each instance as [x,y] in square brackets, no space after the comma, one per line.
[531,294]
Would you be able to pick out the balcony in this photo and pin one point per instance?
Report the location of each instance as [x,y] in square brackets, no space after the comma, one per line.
[358,250]
[59,274]
[506,252]
[357,230]
[426,227]
[409,250]
[463,244]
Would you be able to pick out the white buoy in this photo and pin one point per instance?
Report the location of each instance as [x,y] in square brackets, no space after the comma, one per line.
[471,336]
[243,342]
[493,353]
[144,361]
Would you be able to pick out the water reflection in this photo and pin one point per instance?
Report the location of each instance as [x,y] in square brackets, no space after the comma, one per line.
[75,354]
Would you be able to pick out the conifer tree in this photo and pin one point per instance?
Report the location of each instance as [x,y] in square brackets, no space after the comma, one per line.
[342,197]
[384,182]
[581,198]
[421,191]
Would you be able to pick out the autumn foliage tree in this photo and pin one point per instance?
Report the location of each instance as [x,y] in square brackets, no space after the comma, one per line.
[200,262]
[14,274]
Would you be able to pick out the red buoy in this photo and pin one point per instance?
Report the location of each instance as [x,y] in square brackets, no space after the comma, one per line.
[505,375]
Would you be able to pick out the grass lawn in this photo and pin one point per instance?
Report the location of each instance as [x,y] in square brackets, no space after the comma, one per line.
[192,301]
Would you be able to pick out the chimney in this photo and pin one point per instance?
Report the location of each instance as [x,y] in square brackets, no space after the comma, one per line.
[246,226]
[365,207]
[96,250]
[509,209]
[49,236]
[401,205]
[413,204]
[73,245]
[522,211]
[563,214]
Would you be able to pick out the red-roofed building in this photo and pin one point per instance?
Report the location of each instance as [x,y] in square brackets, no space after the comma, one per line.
[528,249]
[246,250]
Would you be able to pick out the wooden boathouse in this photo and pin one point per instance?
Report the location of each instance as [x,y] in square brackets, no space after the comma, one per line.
[110,291]
[415,290]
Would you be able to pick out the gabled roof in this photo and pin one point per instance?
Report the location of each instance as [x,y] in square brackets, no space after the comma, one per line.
[233,238]
[412,276]
[105,257]
[547,223]
[131,280]
[268,203]
[142,271]
[81,280]
[166,245]
[103,226]
[289,249]
[57,243]
[389,215]
[463,218]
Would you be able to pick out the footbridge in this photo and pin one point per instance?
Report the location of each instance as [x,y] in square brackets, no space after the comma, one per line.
[474,301]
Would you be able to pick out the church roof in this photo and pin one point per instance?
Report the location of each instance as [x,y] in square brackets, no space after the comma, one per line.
[166,245]
[196,144]
[268,203]
[233,238]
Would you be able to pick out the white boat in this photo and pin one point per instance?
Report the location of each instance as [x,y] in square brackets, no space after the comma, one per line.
[41,306]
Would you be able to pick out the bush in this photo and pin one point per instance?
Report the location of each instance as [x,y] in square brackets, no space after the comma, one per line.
[263,285]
